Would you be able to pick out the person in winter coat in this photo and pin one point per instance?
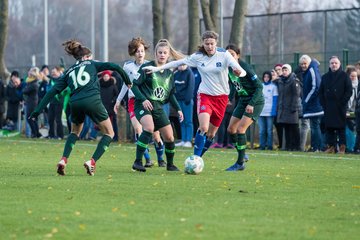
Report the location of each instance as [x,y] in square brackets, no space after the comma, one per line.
[109,93]
[184,85]
[14,97]
[311,106]
[31,98]
[335,92]
[289,88]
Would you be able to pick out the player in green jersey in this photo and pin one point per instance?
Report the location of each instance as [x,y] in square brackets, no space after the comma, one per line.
[85,99]
[248,109]
[152,91]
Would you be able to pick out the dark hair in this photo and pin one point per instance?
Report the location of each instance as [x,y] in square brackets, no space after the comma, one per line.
[44,66]
[234,48]
[135,43]
[14,74]
[266,73]
[207,35]
[76,49]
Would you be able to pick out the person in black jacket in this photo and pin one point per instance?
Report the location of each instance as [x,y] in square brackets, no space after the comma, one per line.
[109,92]
[30,93]
[335,91]
[14,98]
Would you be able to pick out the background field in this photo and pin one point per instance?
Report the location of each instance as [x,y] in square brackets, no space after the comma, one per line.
[281,195]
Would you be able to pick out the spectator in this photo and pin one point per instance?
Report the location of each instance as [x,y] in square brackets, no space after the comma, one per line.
[197,78]
[288,107]
[357,119]
[266,119]
[335,92]
[184,85]
[2,103]
[14,98]
[279,128]
[350,112]
[109,93]
[311,102]
[55,107]
[31,99]
[44,86]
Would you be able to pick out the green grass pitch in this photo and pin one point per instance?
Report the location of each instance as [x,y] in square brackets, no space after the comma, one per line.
[280,195]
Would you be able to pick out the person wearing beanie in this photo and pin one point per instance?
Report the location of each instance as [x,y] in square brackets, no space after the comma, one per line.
[289,88]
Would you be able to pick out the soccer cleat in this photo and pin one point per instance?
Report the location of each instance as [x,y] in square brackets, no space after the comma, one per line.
[138,167]
[162,163]
[246,158]
[61,167]
[236,167]
[149,163]
[90,167]
[171,167]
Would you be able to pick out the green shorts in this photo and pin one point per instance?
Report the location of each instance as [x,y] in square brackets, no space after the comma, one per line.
[158,114]
[239,110]
[94,109]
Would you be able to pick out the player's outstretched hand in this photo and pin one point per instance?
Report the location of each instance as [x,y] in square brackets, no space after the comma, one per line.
[151,69]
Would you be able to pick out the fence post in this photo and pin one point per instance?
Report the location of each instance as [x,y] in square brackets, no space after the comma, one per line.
[296,59]
[345,60]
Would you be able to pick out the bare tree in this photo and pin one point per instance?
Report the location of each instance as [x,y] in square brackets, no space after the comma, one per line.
[4,74]
[210,14]
[157,21]
[238,22]
[166,19]
[194,25]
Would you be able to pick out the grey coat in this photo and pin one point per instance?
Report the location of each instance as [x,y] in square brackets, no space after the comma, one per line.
[288,100]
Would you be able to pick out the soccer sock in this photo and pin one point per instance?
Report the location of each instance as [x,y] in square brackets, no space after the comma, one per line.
[142,145]
[199,143]
[69,145]
[207,145]
[170,152]
[159,147]
[102,146]
[147,154]
[241,146]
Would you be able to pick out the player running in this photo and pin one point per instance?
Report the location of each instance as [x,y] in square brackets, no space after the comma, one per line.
[85,100]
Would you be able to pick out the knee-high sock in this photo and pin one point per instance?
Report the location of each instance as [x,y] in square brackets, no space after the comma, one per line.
[240,147]
[142,145]
[102,146]
[169,152]
[199,143]
[159,147]
[147,152]
[207,145]
[69,145]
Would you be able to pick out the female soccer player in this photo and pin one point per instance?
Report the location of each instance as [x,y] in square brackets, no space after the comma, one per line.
[248,108]
[137,48]
[85,100]
[152,91]
[212,64]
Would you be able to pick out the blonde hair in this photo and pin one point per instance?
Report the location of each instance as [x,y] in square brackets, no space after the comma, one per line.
[35,72]
[173,53]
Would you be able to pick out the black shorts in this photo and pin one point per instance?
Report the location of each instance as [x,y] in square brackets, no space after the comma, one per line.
[239,110]
[159,116]
[94,108]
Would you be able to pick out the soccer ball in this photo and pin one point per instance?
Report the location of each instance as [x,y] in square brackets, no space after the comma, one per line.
[194,164]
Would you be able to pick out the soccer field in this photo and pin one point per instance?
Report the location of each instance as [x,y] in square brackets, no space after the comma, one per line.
[280,195]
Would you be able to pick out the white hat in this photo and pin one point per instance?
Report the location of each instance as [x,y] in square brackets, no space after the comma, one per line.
[287,66]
